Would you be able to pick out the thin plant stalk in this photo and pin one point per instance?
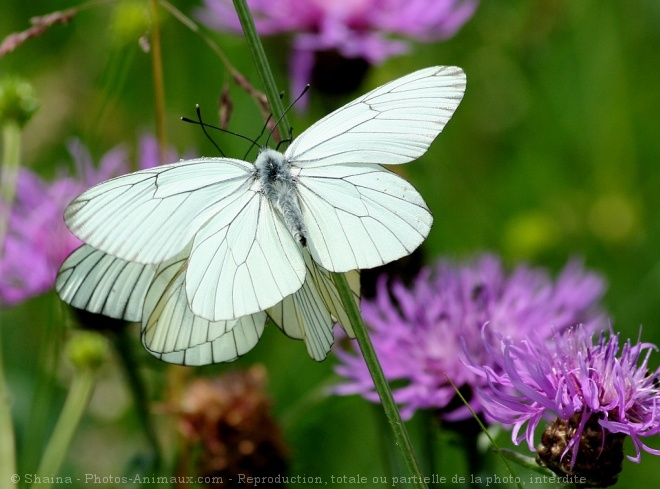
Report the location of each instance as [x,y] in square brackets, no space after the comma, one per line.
[263,67]
[159,84]
[505,458]
[136,383]
[11,156]
[77,399]
[19,104]
[401,437]
[11,139]
[7,440]
[391,411]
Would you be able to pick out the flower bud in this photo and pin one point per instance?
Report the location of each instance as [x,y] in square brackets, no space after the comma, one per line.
[17,101]
[87,350]
[599,456]
[228,422]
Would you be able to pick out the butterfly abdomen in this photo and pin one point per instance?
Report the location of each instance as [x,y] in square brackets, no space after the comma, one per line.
[279,186]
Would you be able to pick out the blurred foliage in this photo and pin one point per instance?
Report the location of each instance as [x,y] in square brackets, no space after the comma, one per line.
[553,153]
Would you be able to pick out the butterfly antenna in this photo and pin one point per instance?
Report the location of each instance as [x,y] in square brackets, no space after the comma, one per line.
[286,140]
[286,111]
[204,125]
[201,124]
[263,129]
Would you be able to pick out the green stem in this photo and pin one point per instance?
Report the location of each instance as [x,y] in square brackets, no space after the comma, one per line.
[524,461]
[499,451]
[159,85]
[47,357]
[394,418]
[72,412]
[263,68]
[382,387]
[139,391]
[390,456]
[429,431]
[7,445]
[11,157]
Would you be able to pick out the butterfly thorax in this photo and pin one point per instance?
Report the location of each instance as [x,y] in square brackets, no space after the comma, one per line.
[279,186]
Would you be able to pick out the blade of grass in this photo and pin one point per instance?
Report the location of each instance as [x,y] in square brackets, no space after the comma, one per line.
[496,447]
[389,406]
[7,440]
[159,84]
[263,67]
[76,402]
[401,437]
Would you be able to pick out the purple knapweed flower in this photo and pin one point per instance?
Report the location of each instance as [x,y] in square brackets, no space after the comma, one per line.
[37,240]
[366,29]
[598,392]
[418,332]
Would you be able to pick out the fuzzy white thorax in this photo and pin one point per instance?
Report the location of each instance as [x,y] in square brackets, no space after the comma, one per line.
[279,186]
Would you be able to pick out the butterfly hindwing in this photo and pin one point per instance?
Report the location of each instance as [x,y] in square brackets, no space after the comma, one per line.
[173,333]
[100,283]
[97,282]
[241,339]
[326,287]
[312,311]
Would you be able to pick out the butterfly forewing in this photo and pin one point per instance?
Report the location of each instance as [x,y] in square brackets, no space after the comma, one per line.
[393,124]
[243,265]
[360,216]
[151,215]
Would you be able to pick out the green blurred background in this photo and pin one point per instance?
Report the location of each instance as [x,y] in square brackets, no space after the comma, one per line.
[553,153]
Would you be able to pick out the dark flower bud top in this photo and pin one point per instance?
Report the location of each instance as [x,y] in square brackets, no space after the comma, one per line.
[229,418]
[599,455]
[600,392]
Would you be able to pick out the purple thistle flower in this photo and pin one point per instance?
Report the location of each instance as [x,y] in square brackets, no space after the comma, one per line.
[37,240]
[599,393]
[353,28]
[418,332]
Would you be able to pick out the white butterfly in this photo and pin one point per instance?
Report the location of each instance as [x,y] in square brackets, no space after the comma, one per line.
[224,240]
[154,295]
